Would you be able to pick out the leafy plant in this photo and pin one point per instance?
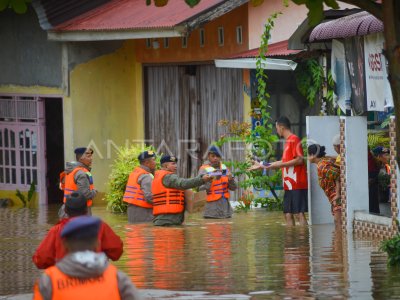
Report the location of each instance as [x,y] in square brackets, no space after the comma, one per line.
[270,204]
[19,6]
[123,165]
[392,248]
[309,78]
[245,201]
[26,201]
[385,123]
[379,138]
[311,81]
[260,138]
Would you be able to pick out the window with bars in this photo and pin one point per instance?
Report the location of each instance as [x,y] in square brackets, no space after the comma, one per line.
[19,128]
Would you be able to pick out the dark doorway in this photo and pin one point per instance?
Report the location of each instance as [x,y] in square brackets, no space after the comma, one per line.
[54,148]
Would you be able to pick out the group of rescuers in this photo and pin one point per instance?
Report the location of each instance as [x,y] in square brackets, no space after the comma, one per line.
[75,251]
[158,195]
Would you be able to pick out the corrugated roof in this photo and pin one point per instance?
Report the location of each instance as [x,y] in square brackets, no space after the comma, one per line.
[275,49]
[362,23]
[54,12]
[135,14]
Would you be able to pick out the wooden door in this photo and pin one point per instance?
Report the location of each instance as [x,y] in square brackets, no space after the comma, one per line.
[183,105]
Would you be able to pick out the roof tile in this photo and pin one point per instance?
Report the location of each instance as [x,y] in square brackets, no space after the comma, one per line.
[135,14]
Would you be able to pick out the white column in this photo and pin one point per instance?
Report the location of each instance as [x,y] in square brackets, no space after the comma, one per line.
[356,159]
[320,130]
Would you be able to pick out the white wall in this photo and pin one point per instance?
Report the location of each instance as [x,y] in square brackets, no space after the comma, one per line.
[320,130]
[356,167]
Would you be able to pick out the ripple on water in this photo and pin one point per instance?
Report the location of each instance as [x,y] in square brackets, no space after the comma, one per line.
[253,255]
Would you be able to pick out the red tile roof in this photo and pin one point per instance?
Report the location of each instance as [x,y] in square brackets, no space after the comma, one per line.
[134,14]
[276,49]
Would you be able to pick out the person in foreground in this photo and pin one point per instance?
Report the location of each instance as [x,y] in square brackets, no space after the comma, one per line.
[168,192]
[328,178]
[83,273]
[294,174]
[51,249]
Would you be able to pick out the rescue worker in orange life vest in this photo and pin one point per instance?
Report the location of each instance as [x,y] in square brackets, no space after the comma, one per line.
[78,178]
[168,192]
[217,205]
[138,189]
[83,273]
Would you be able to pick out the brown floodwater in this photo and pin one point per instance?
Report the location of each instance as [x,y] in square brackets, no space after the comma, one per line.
[251,256]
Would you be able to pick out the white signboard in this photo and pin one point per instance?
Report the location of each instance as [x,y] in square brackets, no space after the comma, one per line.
[379,95]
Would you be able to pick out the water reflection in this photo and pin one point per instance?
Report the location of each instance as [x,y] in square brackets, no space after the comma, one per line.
[296,266]
[251,255]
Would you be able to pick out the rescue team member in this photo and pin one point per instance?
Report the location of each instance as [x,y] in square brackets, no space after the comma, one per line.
[138,189]
[77,177]
[51,249]
[217,206]
[294,174]
[168,192]
[83,273]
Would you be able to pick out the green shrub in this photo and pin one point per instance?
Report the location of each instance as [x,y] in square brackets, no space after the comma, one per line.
[123,165]
[270,204]
[392,248]
[26,201]
[378,138]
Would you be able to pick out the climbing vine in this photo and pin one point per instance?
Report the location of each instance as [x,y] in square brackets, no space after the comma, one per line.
[260,138]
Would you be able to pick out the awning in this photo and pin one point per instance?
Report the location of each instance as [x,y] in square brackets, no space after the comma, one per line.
[362,23]
[250,63]
[247,59]
[275,49]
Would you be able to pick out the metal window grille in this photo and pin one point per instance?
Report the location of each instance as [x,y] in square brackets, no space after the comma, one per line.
[21,141]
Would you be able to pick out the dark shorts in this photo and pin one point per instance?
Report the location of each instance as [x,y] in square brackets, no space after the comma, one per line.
[295,201]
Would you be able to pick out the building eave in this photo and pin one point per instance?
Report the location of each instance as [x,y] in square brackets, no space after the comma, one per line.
[214,13]
[81,36]
[250,63]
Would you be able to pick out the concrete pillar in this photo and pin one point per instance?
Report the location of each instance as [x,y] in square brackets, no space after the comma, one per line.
[320,130]
[355,162]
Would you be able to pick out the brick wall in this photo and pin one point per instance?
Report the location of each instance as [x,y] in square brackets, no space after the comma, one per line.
[343,191]
[393,175]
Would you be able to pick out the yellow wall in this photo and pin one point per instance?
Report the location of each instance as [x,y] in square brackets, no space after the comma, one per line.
[104,108]
[17,201]
[31,90]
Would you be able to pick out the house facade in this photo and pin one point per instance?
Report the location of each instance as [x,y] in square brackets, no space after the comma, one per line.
[85,79]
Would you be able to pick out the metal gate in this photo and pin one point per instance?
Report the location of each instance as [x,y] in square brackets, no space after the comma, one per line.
[22,140]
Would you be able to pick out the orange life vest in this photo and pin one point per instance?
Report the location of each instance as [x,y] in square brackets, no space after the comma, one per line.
[387,168]
[219,187]
[166,200]
[133,193]
[98,288]
[70,185]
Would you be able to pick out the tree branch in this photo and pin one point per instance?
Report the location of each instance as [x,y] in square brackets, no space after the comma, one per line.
[369,5]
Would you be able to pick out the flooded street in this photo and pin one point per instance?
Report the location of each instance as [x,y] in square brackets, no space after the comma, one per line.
[251,256]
